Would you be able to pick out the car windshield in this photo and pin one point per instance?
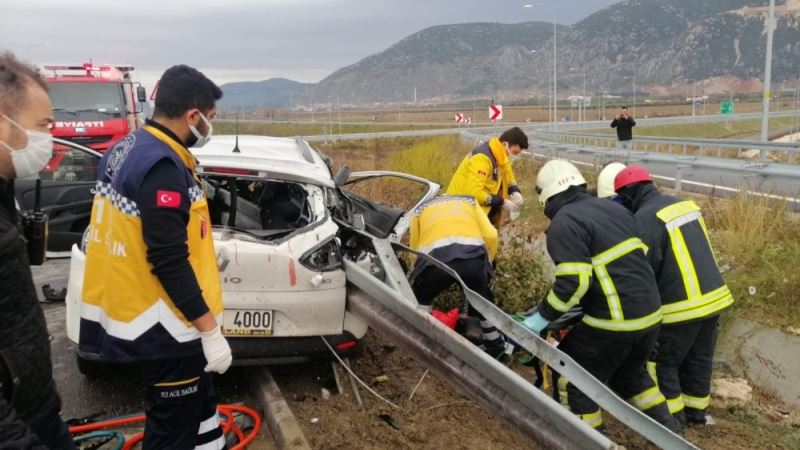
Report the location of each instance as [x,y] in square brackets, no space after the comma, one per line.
[75,99]
[266,209]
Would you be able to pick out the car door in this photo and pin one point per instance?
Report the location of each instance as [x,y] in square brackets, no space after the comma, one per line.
[386,204]
[67,189]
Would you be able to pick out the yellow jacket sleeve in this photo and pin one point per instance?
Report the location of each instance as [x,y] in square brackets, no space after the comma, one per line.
[479,172]
[488,231]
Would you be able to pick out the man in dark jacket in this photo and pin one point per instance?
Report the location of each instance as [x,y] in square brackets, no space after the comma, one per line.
[693,293]
[624,124]
[601,266]
[29,403]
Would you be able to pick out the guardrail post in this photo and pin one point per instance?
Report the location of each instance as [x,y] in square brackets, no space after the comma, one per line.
[684,149]
[678,177]
[719,152]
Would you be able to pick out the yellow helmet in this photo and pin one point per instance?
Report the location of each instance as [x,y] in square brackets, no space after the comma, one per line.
[555,177]
[605,180]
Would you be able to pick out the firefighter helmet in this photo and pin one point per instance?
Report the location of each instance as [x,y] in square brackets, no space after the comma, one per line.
[555,177]
[605,180]
[631,175]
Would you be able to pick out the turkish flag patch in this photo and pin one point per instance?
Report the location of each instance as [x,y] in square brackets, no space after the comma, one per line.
[482,173]
[168,199]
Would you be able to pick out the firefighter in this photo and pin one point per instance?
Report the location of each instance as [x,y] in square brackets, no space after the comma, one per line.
[151,289]
[693,292]
[605,180]
[487,175]
[601,266]
[456,231]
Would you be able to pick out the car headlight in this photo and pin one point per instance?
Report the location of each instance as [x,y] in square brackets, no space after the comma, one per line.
[325,257]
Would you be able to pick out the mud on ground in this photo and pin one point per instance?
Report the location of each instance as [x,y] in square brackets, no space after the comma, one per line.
[438,417]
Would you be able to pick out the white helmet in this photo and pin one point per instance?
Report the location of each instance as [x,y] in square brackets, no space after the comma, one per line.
[605,180]
[555,177]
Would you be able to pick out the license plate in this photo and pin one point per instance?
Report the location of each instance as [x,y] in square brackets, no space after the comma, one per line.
[247,322]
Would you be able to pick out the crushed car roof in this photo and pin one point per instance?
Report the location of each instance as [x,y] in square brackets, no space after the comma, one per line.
[278,158]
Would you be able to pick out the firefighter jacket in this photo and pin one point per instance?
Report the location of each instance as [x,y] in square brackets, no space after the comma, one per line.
[600,264]
[487,175]
[689,280]
[452,227]
[126,313]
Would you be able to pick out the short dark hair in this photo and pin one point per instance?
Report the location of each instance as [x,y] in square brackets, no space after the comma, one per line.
[14,76]
[515,136]
[182,88]
[624,107]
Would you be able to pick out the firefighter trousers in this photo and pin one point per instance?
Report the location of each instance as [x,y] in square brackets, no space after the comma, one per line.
[476,275]
[181,406]
[617,359]
[683,366]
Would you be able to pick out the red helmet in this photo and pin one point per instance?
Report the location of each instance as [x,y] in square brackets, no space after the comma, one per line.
[631,175]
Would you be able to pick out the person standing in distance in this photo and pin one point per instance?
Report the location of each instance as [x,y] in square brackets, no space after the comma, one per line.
[151,290]
[624,124]
[29,403]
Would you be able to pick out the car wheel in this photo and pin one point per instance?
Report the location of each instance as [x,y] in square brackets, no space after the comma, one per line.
[91,369]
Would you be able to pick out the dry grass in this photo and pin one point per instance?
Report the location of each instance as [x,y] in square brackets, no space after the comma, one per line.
[757,241]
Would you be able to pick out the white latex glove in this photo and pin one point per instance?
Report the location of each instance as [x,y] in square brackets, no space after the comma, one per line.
[516,197]
[510,206]
[216,350]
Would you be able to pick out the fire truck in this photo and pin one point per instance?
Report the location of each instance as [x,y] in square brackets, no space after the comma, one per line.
[93,105]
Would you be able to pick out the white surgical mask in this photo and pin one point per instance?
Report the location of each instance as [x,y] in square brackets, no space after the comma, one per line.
[30,160]
[202,140]
[513,157]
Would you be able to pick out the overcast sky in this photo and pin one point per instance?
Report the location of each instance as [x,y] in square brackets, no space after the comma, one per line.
[237,40]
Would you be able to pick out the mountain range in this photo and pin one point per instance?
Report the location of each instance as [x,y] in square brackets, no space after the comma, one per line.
[658,44]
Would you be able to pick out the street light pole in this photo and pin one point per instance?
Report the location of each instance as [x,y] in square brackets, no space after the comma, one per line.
[555,60]
[28,48]
[767,76]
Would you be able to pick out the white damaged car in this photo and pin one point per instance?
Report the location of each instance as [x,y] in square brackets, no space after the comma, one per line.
[278,220]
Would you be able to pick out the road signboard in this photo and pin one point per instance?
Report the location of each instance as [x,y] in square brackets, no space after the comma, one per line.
[458,118]
[495,112]
[726,107]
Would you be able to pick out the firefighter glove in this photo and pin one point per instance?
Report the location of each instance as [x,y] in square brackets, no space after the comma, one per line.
[535,323]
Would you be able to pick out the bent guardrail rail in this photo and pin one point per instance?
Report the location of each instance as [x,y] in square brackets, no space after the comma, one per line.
[389,305]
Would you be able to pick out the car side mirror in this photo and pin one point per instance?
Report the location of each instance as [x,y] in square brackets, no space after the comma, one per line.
[342,176]
[141,94]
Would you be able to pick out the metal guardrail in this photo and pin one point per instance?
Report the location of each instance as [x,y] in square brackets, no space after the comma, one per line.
[710,175]
[671,120]
[389,305]
[655,143]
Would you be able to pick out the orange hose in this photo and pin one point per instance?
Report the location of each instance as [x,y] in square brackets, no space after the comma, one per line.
[228,426]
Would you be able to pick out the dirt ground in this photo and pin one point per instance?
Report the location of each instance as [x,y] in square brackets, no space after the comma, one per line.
[438,417]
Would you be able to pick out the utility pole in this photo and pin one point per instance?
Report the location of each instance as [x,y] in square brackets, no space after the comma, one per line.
[474,94]
[694,95]
[767,77]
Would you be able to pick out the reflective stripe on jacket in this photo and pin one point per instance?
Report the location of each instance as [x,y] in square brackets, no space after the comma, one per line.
[126,315]
[452,227]
[600,265]
[689,280]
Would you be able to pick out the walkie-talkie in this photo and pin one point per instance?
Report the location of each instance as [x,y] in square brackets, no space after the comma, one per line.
[34,226]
